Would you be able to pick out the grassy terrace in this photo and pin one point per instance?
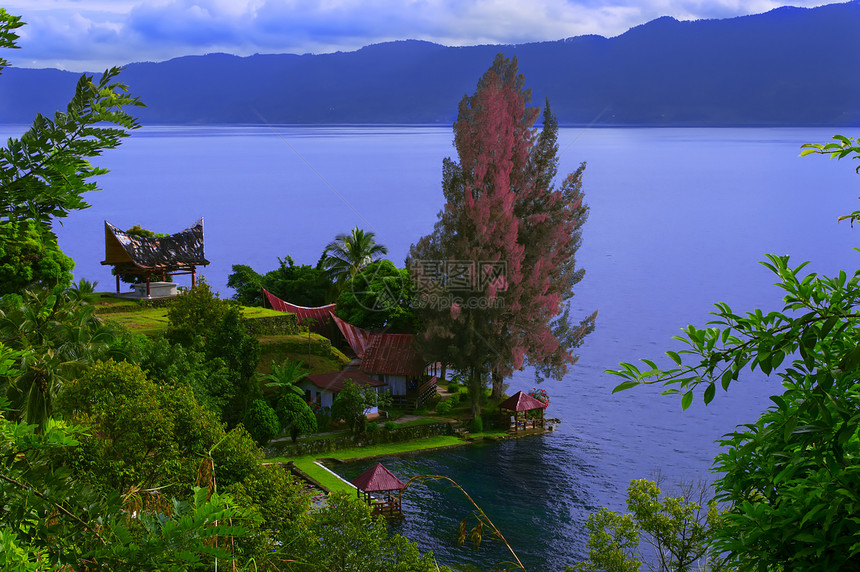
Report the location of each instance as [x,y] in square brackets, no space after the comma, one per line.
[142,319]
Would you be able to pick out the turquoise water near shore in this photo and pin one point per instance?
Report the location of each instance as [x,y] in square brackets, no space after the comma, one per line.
[679,219]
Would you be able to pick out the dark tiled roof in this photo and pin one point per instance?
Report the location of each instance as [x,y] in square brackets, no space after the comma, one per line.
[521,402]
[333,381]
[392,354]
[177,250]
[378,479]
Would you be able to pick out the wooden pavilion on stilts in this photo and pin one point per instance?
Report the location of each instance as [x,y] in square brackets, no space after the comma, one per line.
[519,405]
[157,257]
[380,489]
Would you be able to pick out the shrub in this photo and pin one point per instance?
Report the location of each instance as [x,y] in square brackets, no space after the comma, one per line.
[476,425]
[295,415]
[390,425]
[261,421]
[323,416]
[444,408]
[372,427]
[195,312]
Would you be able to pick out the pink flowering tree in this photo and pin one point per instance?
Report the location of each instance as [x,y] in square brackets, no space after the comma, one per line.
[494,276]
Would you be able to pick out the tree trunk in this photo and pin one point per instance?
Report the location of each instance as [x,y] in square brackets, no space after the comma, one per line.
[498,386]
[476,388]
[443,372]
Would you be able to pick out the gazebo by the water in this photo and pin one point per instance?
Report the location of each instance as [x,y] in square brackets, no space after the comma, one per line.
[380,489]
[519,404]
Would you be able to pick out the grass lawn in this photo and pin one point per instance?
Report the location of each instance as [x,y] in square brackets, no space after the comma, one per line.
[148,321]
[331,482]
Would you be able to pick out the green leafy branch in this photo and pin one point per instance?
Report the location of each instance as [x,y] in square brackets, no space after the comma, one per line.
[838,149]
[44,173]
[817,325]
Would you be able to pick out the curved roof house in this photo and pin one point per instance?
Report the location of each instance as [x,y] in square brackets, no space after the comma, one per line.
[177,254]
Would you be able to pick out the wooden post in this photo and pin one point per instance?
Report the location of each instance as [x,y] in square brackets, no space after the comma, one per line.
[117,281]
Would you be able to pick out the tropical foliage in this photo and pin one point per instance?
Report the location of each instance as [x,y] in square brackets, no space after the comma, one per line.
[347,254]
[296,416]
[45,173]
[107,459]
[667,534]
[302,285]
[285,377]
[57,336]
[353,401]
[379,297]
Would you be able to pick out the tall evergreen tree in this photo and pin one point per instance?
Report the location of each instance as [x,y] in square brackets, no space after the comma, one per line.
[506,240]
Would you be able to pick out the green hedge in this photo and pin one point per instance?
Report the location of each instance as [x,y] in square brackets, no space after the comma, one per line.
[284,325]
[287,448]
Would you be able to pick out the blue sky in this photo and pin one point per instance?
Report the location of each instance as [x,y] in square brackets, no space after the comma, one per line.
[91,35]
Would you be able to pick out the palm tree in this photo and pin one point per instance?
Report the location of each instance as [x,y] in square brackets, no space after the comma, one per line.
[347,254]
[57,336]
[285,377]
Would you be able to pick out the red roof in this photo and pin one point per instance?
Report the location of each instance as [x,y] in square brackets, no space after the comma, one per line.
[378,479]
[392,354]
[356,337]
[318,314]
[333,381]
[521,402]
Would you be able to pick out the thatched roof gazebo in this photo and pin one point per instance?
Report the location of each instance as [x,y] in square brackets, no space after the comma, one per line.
[179,253]
[520,404]
[380,489]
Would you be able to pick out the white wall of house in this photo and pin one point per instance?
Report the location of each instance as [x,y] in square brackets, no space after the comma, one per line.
[326,397]
[322,396]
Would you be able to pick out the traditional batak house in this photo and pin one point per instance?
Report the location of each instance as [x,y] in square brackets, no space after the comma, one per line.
[390,359]
[148,258]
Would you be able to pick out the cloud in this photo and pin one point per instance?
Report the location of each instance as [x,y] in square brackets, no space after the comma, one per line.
[92,34]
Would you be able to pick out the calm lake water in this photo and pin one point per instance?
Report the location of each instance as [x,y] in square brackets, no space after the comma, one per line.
[679,220]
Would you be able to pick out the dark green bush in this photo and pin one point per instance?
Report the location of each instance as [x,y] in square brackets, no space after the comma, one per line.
[372,427]
[296,416]
[261,421]
[476,425]
[390,425]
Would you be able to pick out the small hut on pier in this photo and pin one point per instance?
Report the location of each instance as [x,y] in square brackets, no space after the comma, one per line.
[519,405]
[380,489]
[179,253]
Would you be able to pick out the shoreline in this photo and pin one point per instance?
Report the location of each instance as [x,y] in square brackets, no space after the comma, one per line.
[309,469]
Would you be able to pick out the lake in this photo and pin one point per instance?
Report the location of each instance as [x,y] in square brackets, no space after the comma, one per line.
[679,219]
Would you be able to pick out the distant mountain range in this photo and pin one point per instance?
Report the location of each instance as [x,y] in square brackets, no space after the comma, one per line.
[789,66]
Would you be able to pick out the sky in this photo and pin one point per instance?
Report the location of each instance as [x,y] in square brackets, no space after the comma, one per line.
[92,35]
